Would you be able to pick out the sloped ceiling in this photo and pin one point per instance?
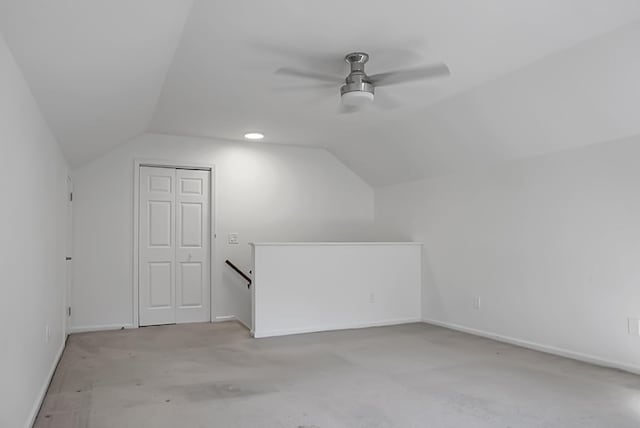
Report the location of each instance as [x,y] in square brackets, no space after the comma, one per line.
[528,77]
[96,67]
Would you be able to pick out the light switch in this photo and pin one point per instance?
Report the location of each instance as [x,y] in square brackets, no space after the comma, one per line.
[234,239]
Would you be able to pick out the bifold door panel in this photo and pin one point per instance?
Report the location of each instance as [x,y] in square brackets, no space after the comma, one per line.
[173,259]
[192,251]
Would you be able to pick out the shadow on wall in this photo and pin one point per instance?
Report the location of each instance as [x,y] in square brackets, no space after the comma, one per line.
[431,289]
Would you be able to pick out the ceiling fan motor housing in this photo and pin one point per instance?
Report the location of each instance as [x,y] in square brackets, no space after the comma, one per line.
[357,89]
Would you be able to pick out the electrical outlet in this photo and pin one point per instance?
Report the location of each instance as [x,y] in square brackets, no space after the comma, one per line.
[234,238]
[372,297]
[47,334]
[476,303]
[634,326]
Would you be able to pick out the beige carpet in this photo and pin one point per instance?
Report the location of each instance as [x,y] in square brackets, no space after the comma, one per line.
[215,375]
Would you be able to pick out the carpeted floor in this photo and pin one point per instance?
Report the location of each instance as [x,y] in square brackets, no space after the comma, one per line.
[416,375]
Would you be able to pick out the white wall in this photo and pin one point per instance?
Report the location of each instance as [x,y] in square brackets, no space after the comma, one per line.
[551,245]
[306,287]
[263,192]
[32,227]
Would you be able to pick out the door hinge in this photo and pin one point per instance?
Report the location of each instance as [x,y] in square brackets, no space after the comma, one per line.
[69,311]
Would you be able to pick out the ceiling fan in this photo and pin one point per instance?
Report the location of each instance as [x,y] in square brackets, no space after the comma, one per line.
[358,87]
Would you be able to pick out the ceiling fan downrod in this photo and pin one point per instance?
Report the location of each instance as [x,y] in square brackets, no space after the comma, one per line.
[357,89]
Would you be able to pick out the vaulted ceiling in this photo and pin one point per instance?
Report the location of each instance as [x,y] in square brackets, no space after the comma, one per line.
[528,77]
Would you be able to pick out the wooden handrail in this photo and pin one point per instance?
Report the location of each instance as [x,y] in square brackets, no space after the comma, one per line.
[239,272]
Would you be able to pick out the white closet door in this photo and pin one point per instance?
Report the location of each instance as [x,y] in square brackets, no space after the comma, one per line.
[173,250]
[192,246]
[156,256]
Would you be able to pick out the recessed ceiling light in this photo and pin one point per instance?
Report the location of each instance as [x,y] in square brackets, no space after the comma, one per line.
[253,136]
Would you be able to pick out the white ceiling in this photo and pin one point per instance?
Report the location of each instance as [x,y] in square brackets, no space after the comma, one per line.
[96,67]
[105,71]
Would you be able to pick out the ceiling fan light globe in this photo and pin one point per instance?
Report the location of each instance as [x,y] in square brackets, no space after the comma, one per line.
[357,98]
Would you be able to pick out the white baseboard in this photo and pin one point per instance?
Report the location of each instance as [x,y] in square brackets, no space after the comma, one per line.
[539,347]
[286,332]
[243,323]
[231,318]
[43,390]
[106,327]
[225,318]
[109,327]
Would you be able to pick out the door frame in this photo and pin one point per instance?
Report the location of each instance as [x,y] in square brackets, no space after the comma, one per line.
[136,225]
[68,253]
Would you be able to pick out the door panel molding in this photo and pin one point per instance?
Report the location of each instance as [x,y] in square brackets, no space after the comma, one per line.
[190,187]
[157,244]
[191,250]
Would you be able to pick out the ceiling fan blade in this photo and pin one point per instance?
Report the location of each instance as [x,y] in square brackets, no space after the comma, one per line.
[287,71]
[325,62]
[303,88]
[408,75]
